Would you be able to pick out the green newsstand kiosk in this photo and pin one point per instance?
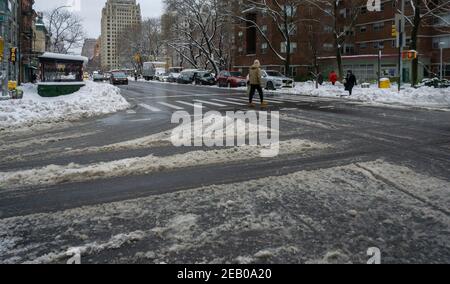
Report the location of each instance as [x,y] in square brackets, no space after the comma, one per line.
[60,74]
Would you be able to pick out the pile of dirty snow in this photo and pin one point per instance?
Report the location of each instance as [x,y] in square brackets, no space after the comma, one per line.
[420,97]
[92,100]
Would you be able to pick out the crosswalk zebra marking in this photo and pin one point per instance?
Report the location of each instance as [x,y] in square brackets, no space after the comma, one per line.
[210,103]
[171,106]
[150,108]
[228,102]
[189,104]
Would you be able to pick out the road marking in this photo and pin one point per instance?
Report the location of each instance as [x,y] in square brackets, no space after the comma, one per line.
[141,120]
[273,101]
[210,103]
[238,99]
[228,102]
[150,108]
[171,106]
[189,104]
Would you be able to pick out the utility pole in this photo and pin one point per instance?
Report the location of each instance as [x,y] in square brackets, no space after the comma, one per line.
[441,69]
[4,19]
[401,43]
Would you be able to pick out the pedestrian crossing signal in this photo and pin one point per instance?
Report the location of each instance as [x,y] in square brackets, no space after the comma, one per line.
[409,55]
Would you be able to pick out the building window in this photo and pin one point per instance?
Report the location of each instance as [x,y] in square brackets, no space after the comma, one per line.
[293,47]
[378,27]
[264,29]
[264,48]
[363,29]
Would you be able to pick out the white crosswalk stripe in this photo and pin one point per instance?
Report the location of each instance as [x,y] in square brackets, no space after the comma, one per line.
[171,106]
[210,103]
[238,99]
[228,102]
[189,104]
[150,108]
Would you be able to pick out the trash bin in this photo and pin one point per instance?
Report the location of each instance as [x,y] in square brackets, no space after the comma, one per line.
[12,85]
[385,83]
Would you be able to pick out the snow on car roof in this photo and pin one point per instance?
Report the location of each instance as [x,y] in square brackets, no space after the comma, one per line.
[67,57]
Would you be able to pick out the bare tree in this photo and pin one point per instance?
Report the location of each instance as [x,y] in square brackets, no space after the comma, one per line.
[285,16]
[153,44]
[425,13]
[65,29]
[343,16]
[199,29]
[130,47]
[315,38]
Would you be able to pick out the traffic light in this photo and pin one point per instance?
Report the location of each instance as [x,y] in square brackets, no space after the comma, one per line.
[394,31]
[13,55]
[410,55]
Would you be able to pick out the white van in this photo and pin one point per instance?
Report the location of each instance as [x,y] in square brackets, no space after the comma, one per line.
[151,69]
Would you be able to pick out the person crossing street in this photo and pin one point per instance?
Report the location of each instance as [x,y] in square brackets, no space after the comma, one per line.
[256,84]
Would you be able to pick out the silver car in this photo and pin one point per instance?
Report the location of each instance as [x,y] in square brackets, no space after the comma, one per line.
[274,80]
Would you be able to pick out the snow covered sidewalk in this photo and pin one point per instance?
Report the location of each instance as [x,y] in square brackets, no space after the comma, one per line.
[92,100]
[421,97]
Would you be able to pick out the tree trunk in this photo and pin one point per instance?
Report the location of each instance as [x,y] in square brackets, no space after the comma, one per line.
[339,59]
[414,44]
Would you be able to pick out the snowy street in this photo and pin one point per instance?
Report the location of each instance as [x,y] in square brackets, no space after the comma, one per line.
[110,185]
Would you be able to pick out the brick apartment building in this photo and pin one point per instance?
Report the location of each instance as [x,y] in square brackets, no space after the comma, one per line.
[27,62]
[371,32]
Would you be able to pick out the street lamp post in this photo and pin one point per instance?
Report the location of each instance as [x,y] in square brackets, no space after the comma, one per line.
[441,47]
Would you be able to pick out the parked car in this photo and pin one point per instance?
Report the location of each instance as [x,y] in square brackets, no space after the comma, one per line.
[273,80]
[98,77]
[162,77]
[231,79]
[118,78]
[174,74]
[187,76]
[436,83]
[205,78]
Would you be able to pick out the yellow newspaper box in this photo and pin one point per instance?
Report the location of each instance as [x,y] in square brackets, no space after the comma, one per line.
[12,85]
[385,83]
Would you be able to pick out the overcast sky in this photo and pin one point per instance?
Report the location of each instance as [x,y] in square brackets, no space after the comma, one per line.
[91,11]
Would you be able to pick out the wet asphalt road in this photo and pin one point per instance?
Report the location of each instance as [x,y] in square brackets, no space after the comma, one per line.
[358,133]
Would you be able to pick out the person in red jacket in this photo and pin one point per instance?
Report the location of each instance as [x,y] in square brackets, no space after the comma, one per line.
[333,77]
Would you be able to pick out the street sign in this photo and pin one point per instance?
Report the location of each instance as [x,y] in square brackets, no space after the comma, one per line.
[400,30]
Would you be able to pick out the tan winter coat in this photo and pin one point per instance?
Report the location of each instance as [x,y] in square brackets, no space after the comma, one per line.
[255,75]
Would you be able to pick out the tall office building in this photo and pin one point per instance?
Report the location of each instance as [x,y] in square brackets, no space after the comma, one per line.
[117,16]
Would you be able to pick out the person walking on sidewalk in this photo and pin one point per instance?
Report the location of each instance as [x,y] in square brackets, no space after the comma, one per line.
[255,84]
[333,77]
[350,82]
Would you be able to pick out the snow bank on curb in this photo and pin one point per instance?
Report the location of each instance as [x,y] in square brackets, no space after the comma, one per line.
[92,100]
[54,174]
[421,97]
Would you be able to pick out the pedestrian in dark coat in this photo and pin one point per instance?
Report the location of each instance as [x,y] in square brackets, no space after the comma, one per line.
[350,82]
[320,79]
